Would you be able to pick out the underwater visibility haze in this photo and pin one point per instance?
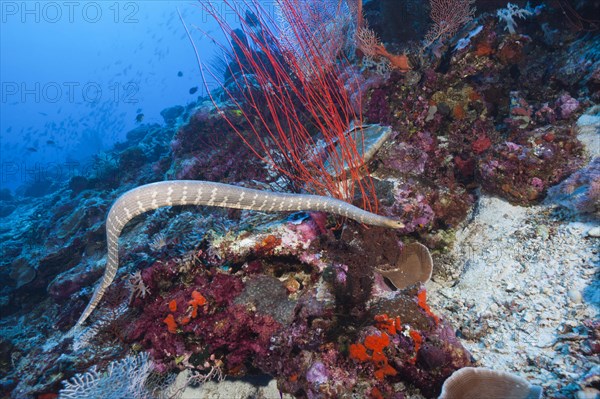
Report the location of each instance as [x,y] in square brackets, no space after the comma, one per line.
[300,199]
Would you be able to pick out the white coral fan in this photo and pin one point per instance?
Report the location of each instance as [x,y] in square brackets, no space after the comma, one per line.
[122,379]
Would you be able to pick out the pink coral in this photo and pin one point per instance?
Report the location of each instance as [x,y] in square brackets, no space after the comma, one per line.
[567,105]
[537,183]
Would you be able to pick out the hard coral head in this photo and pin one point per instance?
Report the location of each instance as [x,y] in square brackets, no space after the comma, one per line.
[415,265]
[476,383]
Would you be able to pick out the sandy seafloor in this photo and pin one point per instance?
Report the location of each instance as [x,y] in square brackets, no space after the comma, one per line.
[518,286]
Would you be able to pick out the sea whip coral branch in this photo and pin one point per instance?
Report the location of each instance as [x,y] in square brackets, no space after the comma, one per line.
[287,85]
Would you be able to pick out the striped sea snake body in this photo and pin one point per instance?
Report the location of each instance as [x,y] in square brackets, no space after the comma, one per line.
[196,192]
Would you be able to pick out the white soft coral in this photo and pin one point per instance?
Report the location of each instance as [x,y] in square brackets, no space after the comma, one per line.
[509,13]
[136,286]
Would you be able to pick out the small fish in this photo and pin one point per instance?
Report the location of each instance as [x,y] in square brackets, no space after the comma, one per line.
[43,113]
[50,142]
[139,111]
[31,149]
[9,129]
[139,118]
[180,74]
[193,90]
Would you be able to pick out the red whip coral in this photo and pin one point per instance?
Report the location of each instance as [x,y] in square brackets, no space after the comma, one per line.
[290,90]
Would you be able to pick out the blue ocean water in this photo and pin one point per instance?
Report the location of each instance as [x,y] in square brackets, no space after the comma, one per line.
[76,76]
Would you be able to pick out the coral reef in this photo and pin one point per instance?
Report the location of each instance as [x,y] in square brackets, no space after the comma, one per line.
[325,306]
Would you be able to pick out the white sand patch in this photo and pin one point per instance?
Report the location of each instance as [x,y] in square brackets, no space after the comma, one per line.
[588,133]
[236,389]
[524,292]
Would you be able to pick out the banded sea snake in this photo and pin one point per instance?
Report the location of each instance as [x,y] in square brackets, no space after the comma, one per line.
[196,192]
